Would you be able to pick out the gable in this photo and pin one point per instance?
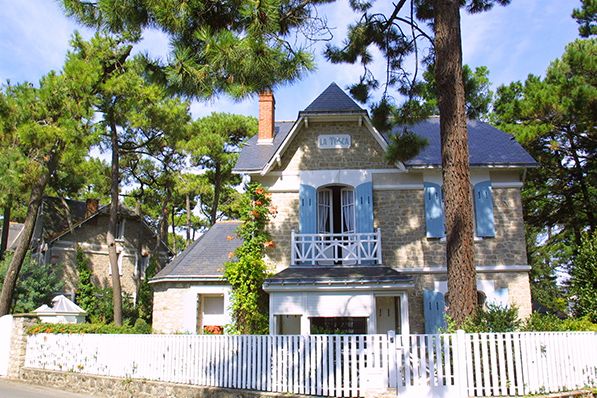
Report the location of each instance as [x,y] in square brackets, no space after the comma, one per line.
[303,151]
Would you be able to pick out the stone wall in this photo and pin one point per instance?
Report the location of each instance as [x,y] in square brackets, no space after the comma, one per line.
[401,217]
[280,228]
[303,153]
[113,387]
[519,293]
[18,343]
[168,303]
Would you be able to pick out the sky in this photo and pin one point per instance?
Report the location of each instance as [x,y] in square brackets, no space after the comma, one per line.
[511,41]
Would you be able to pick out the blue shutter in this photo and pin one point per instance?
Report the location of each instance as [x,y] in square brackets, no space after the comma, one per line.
[434,308]
[434,210]
[484,209]
[307,209]
[364,207]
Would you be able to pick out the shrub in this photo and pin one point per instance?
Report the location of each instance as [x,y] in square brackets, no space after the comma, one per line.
[493,319]
[89,328]
[538,322]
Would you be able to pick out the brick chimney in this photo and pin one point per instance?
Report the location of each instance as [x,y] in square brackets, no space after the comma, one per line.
[267,110]
[91,207]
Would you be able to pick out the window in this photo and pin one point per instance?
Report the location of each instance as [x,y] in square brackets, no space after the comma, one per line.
[335,210]
[339,325]
[142,264]
[120,229]
[210,314]
[324,211]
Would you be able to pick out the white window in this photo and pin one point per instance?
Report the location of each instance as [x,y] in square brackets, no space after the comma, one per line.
[338,201]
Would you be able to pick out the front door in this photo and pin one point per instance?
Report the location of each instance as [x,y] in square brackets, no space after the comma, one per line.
[388,314]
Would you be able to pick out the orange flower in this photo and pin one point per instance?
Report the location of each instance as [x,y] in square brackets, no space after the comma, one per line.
[270,243]
[230,254]
[230,237]
[255,213]
[258,203]
[259,191]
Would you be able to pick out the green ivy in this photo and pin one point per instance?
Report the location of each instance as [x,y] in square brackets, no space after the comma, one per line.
[86,291]
[249,303]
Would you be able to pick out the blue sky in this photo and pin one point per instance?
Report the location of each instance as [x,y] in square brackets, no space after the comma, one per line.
[511,41]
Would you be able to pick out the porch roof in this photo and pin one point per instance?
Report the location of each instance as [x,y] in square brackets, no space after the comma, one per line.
[308,275]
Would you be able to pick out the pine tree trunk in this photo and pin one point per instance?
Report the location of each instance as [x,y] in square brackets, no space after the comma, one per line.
[188,199]
[12,274]
[112,224]
[213,215]
[455,161]
[5,226]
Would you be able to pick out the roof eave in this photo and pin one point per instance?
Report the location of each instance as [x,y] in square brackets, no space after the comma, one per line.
[188,278]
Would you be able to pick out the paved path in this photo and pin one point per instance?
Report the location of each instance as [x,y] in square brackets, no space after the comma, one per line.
[10,389]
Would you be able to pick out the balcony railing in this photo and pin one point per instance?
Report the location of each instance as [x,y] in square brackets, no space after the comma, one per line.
[336,249]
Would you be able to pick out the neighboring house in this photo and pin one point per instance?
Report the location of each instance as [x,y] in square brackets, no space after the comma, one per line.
[190,293]
[64,224]
[360,243]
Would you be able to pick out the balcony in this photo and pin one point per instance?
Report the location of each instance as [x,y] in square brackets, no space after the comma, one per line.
[336,249]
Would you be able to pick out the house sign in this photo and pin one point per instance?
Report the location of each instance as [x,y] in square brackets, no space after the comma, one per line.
[333,141]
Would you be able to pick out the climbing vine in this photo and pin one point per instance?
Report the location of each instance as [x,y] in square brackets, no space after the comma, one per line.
[248,272]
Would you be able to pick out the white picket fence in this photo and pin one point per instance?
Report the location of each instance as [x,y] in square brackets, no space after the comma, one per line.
[448,365]
[496,364]
[312,365]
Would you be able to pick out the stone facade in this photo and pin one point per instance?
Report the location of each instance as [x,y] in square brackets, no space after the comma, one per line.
[303,153]
[401,217]
[167,297]
[91,237]
[517,283]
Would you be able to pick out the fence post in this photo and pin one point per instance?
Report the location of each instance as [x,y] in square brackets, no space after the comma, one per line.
[460,364]
[392,360]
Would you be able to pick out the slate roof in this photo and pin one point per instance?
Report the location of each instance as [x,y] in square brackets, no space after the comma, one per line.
[487,145]
[332,100]
[253,157]
[205,257]
[326,275]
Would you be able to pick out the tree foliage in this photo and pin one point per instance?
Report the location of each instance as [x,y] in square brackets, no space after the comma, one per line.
[234,47]
[48,131]
[38,284]
[246,275]
[586,16]
[213,147]
[583,279]
[554,119]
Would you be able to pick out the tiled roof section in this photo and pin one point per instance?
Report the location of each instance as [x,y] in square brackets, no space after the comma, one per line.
[253,157]
[206,256]
[487,146]
[333,100]
[352,274]
[59,214]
